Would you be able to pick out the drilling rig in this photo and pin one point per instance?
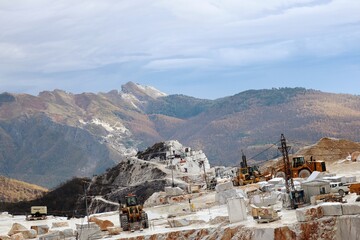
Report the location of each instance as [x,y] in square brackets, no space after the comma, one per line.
[294,197]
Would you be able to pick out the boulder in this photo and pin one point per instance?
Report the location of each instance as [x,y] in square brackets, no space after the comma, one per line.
[155,199]
[17,236]
[351,208]
[59,224]
[270,200]
[103,224]
[67,233]
[51,236]
[88,230]
[15,228]
[224,186]
[218,220]
[236,209]
[114,230]
[309,213]
[41,229]
[5,237]
[173,191]
[27,233]
[179,222]
[355,156]
[221,197]
[332,209]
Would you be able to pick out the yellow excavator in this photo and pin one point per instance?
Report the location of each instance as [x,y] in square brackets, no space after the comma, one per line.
[132,216]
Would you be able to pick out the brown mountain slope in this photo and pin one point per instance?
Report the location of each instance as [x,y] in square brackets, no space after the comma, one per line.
[253,122]
[12,190]
[58,135]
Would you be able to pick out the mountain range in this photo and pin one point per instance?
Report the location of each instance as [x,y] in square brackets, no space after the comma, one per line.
[50,138]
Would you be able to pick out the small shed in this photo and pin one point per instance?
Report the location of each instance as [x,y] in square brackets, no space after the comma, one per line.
[315,187]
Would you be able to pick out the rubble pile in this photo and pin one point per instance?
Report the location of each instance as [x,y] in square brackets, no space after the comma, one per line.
[329,149]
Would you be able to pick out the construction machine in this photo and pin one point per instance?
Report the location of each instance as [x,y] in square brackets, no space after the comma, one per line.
[246,174]
[301,168]
[37,213]
[293,198]
[355,188]
[132,216]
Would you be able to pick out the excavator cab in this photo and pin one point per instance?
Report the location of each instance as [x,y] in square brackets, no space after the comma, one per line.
[244,171]
[131,200]
[298,162]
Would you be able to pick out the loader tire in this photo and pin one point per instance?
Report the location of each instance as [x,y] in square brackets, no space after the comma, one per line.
[124,222]
[145,220]
[280,174]
[304,173]
[341,192]
[241,183]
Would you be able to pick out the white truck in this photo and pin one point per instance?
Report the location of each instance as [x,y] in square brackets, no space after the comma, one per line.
[339,187]
[37,213]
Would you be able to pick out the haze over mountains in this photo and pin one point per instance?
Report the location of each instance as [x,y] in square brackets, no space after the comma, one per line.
[49,138]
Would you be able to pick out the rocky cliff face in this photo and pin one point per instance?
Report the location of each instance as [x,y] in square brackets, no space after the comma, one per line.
[135,176]
[330,228]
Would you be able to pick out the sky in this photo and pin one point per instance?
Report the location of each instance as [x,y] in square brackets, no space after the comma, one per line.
[203,48]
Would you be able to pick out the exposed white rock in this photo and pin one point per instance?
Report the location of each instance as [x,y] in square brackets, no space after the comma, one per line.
[332,209]
[264,234]
[41,229]
[221,197]
[51,236]
[186,159]
[266,200]
[351,208]
[151,91]
[16,227]
[236,209]
[117,132]
[67,233]
[224,186]
[173,191]
[17,236]
[309,213]
[175,222]
[114,230]
[157,198]
[88,230]
[348,227]
[130,98]
[59,224]
[28,233]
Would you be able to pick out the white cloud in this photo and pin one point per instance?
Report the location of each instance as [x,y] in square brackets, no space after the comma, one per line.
[177,63]
[47,37]
[255,54]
